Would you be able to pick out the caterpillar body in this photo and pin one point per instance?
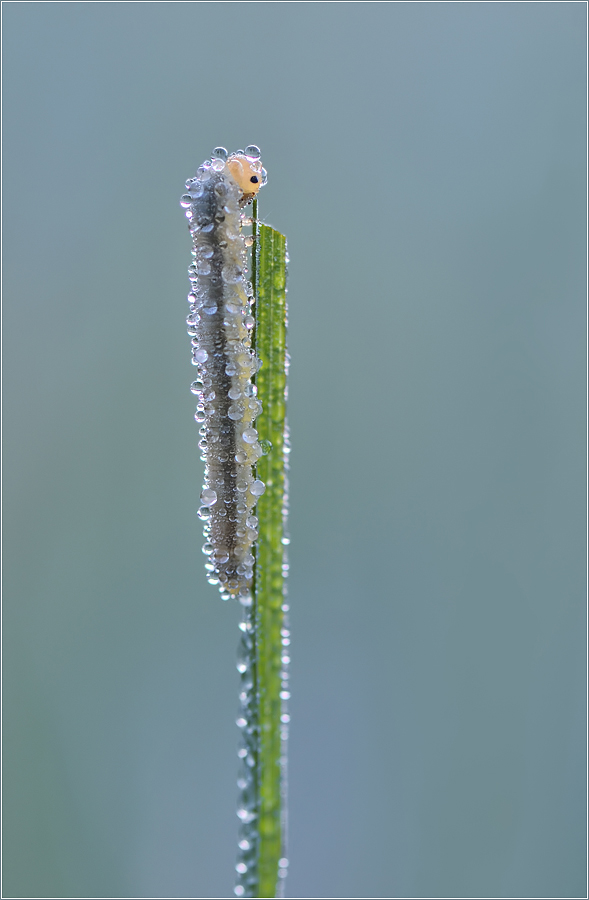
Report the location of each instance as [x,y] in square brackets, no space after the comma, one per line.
[220,324]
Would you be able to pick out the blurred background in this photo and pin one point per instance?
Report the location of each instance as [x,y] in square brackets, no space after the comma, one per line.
[427,163]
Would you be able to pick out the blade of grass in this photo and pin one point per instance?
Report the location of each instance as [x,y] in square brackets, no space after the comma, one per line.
[271,319]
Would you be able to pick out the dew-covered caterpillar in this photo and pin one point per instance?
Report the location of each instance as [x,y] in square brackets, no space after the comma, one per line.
[220,325]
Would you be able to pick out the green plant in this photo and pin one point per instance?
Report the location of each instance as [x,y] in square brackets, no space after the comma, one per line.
[264,658]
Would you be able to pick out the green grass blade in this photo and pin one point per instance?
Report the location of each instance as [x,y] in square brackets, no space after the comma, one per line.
[271,320]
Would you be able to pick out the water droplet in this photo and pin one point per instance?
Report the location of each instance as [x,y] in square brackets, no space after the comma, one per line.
[283,863]
[239,890]
[249,322]
[220,556]
[185,200]
[231,274]
[241,722]
[246,816]
[200,415]
[264,178]
[249,240]
[249,436]
[208,497]
[257,488]
[196,386]
[220,153]
[252,151]
[244,845]
[210,310]
[218,165]
[241,868]
[265,447]
[207,548]
[252,521]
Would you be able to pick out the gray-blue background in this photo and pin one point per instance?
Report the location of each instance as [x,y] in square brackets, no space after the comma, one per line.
[427,164]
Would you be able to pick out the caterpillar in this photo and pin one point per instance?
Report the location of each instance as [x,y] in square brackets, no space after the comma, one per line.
[220,324]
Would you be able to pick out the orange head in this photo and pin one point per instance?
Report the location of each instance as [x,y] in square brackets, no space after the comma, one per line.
[247,174]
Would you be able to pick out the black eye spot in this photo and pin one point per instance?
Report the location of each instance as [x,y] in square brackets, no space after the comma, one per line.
[254,179]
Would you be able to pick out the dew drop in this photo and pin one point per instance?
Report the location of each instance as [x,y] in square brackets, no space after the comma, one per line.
[257,488]
[249,436]
[252,151]
[231,274]
[246,816]
[208,497]
[265,447]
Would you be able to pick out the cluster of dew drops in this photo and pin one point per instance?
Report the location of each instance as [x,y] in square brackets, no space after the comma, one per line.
[202,385]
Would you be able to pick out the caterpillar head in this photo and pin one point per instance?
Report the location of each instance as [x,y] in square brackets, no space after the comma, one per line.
[246,170]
